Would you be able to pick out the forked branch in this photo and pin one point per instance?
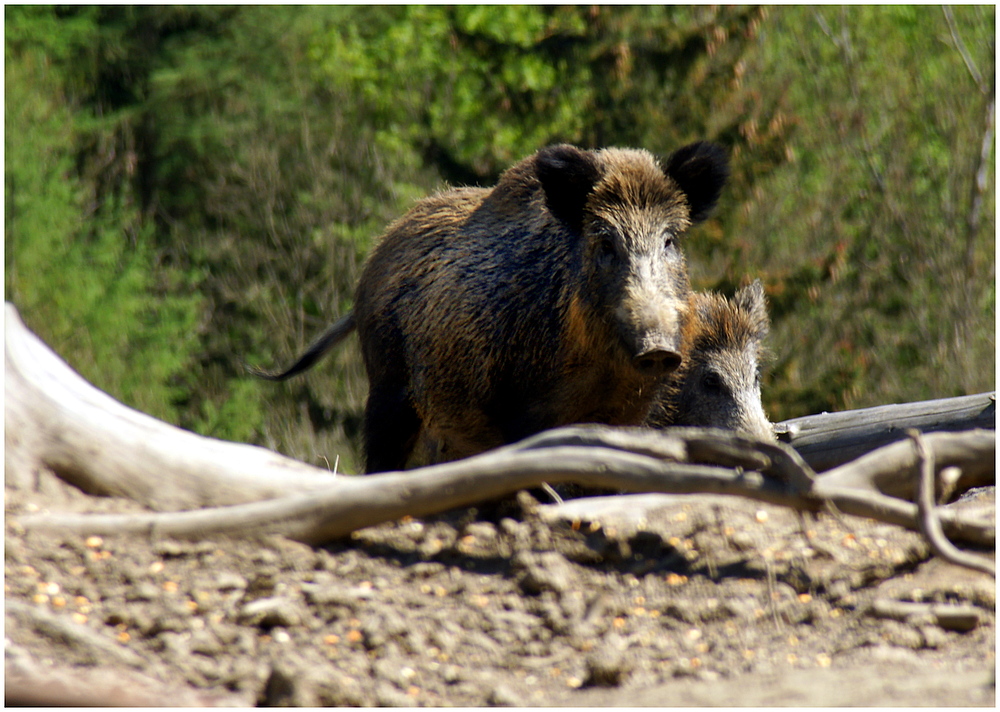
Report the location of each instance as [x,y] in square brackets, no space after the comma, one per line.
[930,525]
[58,421]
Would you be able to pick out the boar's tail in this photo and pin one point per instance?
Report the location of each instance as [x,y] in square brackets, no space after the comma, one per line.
[327,340]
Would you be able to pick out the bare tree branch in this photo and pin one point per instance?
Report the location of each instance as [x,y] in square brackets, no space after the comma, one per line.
[977,77]
[351,503]
[892,469]
[830,439]
[57,420]
[54,419]
[978,187]
[947,616]
[930,526]
[695,445]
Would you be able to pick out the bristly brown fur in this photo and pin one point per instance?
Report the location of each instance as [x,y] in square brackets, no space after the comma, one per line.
[727,348]
[486,315]
[728,324]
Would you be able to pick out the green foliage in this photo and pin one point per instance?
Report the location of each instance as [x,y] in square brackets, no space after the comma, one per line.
[191,189]
[475,88]
[79,273]
[874,205]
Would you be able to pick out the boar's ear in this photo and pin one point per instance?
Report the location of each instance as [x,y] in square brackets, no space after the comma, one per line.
[751,300]
[567,175]
[700,169]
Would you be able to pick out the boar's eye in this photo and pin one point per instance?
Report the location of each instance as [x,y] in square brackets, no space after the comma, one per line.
[712,382]
[606,249]
[669,241]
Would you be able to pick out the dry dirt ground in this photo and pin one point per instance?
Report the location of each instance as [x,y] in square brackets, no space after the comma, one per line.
[640,600]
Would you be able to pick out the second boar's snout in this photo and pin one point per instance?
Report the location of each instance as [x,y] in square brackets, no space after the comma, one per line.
[657,362]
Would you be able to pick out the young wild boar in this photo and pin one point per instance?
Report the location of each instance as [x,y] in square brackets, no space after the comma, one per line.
[558,296]
[719,384]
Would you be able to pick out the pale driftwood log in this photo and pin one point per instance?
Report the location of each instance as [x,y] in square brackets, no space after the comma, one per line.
[894,469]
[351,503]
[693,445]
[930,525]
[56,420]
[826,440]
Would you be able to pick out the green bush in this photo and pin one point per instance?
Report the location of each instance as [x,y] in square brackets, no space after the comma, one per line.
[80,273]
[191,189]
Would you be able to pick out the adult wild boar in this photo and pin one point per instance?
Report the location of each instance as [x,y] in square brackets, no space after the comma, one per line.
[718,385]
[558,296]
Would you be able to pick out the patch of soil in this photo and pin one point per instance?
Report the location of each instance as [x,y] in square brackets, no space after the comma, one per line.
[630,600]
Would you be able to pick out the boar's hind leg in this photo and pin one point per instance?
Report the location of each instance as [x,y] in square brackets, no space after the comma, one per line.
[391,429]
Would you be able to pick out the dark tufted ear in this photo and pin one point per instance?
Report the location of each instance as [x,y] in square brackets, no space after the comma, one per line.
[567,175]
[701,169]
[751,299]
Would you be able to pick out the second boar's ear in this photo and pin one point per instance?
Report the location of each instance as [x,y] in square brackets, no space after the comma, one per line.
[568,175]
[752,300]
[700,169]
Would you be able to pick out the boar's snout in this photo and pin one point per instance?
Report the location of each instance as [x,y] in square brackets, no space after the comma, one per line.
[657,361]
[652,329]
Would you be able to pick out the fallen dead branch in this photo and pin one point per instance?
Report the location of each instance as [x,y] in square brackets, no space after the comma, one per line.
[58,421]
[893,469]
[930,525]
[826,440]
[351,503]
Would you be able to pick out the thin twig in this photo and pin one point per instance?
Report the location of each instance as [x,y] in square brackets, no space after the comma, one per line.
[550,491]
[960,46]
[930,525]
[978,189]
